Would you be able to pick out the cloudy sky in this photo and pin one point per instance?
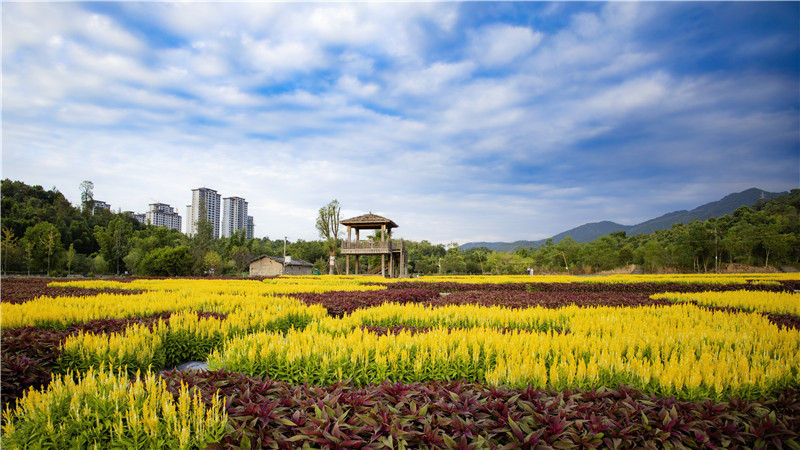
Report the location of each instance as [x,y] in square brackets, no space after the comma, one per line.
[459,121]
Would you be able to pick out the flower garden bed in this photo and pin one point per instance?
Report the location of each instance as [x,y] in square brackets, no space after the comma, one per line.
[357,362]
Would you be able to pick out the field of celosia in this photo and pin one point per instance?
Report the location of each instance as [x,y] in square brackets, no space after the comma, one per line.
[440,362]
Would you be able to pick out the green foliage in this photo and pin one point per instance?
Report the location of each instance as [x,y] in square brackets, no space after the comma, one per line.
[114,241]
[168,262]
[47,252]
[105,242]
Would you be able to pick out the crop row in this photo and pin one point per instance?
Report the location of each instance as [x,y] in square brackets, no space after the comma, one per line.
[104,409]
[455,414]
[21,290]
[60,312]
[768,302]
[681,350]
[753,279]
[219,408]
[640,287]
[31,354]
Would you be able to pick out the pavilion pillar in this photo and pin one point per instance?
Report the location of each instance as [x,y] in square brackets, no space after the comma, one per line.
[383,265]
[347,259]
[391,265]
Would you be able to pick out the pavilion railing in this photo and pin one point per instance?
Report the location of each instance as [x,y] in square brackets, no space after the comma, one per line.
[371,246]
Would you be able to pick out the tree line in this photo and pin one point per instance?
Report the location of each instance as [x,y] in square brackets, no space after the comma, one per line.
[42,233]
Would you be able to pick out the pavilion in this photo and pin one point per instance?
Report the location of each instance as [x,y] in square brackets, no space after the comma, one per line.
[395,250]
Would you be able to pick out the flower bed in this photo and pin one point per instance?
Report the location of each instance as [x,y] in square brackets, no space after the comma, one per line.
[365,365]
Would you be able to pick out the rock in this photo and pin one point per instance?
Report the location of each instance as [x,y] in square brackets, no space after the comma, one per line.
[193,365]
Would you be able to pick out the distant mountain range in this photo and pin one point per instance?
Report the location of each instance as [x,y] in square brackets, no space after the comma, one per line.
[590,231]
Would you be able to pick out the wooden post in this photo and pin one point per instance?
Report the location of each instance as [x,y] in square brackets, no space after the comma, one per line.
[347,258]
[383,265]
[391,265]
[357,258]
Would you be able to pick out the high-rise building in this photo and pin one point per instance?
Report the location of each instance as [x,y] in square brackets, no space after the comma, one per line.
[204,201]
[163,215]
[234,215]
[251,228]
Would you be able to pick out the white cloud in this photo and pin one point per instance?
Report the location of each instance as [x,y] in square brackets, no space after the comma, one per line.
[88,115]
[432,79]
[458,128]
[353,86]
[498,45]
[282,58]
[626,98]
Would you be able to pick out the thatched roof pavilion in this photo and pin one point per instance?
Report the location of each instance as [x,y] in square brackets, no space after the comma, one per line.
[395,250]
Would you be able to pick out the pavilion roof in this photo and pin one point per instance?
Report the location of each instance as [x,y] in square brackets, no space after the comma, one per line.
[369,221]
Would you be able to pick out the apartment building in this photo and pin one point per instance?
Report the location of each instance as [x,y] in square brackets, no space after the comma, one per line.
[163,215]
[205,202]
[234,216]
[142,218]
[99,204]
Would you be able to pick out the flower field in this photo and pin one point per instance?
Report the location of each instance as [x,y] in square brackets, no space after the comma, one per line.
[436,362]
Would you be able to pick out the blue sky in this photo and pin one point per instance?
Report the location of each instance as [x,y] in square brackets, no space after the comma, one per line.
[459,121]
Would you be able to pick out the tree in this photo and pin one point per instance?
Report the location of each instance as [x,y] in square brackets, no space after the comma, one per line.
[9,242]
[49,242]
[70,258]
[328,227]
[241,257]
[168,262]
[28,246]
[453,261]
[45,242]
[87,197]
[213,263]
[114,241]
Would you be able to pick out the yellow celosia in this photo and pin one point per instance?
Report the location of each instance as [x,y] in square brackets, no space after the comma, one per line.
[761,301]
[105,401]
[682,350]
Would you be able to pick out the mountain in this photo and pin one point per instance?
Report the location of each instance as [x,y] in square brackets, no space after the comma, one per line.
[591,231]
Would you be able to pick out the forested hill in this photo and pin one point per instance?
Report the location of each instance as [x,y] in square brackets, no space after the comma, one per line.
[590,231]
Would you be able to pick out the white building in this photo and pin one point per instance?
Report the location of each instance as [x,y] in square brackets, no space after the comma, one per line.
[163,215]
[99,204]
[234,215]
[203,200]
[142,218]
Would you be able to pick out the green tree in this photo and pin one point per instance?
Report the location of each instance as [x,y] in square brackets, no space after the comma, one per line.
[569,251]
[213,263]
[453,261]
[46,248]
[9,242]
[70,258]
[241,257]
[28,255]
[114,241]
[652,256]
[87,197]
[168,262]
[328,228]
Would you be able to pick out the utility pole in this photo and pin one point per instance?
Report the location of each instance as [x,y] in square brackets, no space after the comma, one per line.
[283,270]
[716,252]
